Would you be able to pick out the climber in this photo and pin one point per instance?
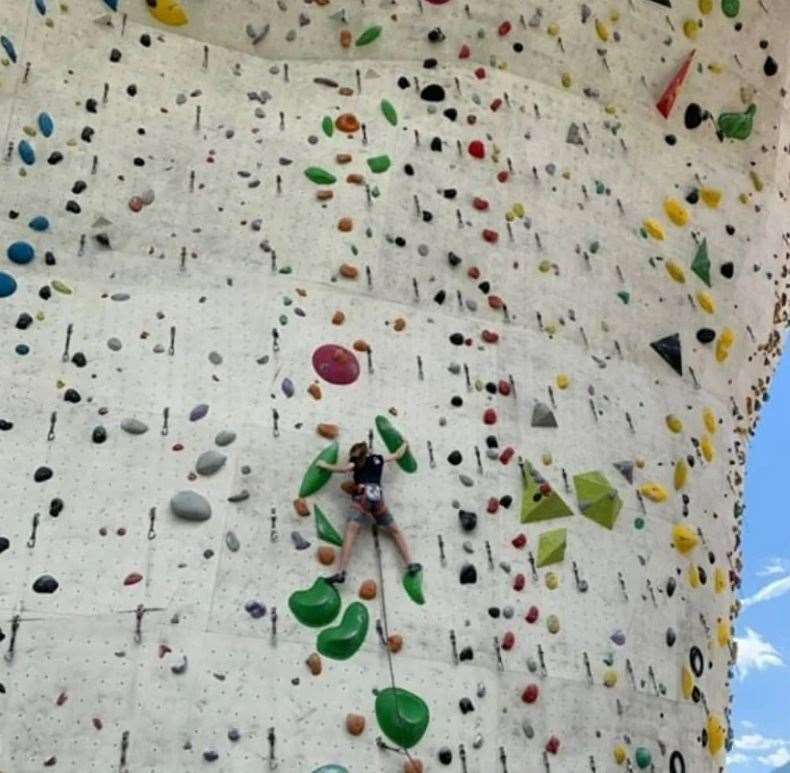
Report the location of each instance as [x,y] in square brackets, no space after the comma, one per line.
[368,504]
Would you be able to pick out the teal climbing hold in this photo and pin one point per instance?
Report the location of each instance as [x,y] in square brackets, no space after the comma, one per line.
[624,296]
[39,223]
[8,47]
[111,4]
[45,124]
[326,531]
[328,126]
[41,7]
[319,176]
[331,769]
[316,477]
[27,153]
[402,716]
[317,606]
[20,253]
[412,583]
[737,126]
[342,641]
[394,440]
[379,164]
[7,285]
[389,112]
[369,35]
[643,758]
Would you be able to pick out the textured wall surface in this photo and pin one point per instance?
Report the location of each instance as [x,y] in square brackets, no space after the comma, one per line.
[504,238]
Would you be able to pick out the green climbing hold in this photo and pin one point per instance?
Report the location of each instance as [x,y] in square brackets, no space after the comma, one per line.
[369,35]
[61,287]
[379,164]
[598,499]
[643,757]
[402,716]
[316,477]
[317,606]
[730,8]
[394,440]
[551,547]
[319,176]
[540,502]
[389,112]
[701,263]
[737,126]
[412,582]
[325,530]
[639,523]
[328,127]
[624,296]
[342,641]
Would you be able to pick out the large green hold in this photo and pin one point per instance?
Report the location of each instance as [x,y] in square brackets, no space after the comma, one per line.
[319,176]
[316,607]
[316,477]
[379,164]
[403,716]
[536,506]
[326,531]
[737,126]
[598,499]
[394,440]
[551,547]
[369,35]
[342,641]
[412,582]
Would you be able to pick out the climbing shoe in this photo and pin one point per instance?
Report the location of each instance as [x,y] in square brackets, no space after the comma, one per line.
[337,579]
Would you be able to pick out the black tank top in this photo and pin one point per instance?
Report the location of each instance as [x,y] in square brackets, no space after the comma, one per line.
[370,470]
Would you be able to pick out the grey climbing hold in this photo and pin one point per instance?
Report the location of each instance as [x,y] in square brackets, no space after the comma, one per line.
[215,358]
[114,344]
[626,469]
[120,297]
[542,416]
[527,728]
[148,196]
[210,462]
[240,497]
[232,541]
[300,543]
[466,480]
[508,612]
[181,668]
[190,506]
[225,438]
[134,426]
[574,136]
[454,368]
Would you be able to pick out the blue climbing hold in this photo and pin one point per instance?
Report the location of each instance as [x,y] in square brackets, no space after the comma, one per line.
[46,124]
[39,223]
[111,4]
[41,7]
[26,153]
[21,253]
[8,46]
[7,285]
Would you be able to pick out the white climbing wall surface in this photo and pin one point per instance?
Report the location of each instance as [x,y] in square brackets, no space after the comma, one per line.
[546,241]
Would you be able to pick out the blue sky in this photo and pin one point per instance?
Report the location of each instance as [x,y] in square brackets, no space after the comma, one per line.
[762,687]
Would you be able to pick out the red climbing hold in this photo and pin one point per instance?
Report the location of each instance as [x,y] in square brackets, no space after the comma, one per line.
[519,582]
[178,447]
[530,694]
[473,272]
[477,149]
[480,73]
[97,723]
[504,386]
[519,541]
[507,455]
[489,417]
[492,237]
[496,104]
[504,28]
[133,578]
[493,505]
[553,745]
[336,364]
[545,489]
[164,650]
[465,52]
[670,94]
[508,640]
[532,615]
[135,203]
[490,337]
[503,176]
[495,302]
[438,2]
[481,205]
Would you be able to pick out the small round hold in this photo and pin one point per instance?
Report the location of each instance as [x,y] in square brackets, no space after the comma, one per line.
[455,458]
[56,507]
[99,435]
[705,335]
[42,474]
[446,756]
[72,396]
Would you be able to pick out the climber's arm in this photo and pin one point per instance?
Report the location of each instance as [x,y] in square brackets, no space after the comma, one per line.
[349,467]
[398,454]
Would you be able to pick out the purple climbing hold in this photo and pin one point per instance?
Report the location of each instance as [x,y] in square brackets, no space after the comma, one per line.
[255,608]
[336,364]
[198,412]
[288,387]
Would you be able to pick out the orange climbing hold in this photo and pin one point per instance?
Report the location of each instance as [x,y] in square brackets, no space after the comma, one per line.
[347,122]
[329,431]
[324,195]
[355,724]
[314,664]
[338,318]
[343,158]
[326,555]
[368,590]
[413,766]
[355,179]
[300,505]
[345,224]
[345,38]
[399,324]
[395,643]
[361,346]
[315,391]
[348,271]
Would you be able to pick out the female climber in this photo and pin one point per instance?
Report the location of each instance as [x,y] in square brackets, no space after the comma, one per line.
[368,504]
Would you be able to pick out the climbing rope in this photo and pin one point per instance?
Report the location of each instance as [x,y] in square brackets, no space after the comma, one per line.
[386,626]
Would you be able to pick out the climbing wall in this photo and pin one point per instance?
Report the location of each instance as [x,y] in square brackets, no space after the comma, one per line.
[544,243]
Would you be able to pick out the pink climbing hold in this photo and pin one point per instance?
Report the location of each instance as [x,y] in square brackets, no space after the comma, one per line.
[473,272]
[481,205]
[504,28]
[438,2]
[504,387]
[490,337]
[477,149]
[553,745]
[493,505]
[496,104]
[133,578]
[480,73]
[489,417]
[336,364]
[503,176]
[135,203]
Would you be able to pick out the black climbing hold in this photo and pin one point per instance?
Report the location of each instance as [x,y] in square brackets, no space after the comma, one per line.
[770,67]
[491,387]
[73,207]
[446,756]
[24,321]
[484,287]
[400,241]
[99,435]
[453,259]
[455,458]
[115,55]
[468,575]
[669,350]
[518,47]
[79,359]
[45,584]
[671,585]
[138,161]
[676,763]
[45,293]
[42,474]
[49,258]
[449,193]
[103,239]
[87,134]
[705,335]
[457,339]
[456,401]
[433,92]
[467,653]
[693,196]
[72,396]
[430,64]
[91,105]
[665,3]
[670,139]
[492,442]
[78,187]
[131,90]
[440,297]
[466,705]
[506,501]
[730,229]
[451,113]
[404,82]
[56,507]
[4,544]
[494,613]
[696,695]
[5,425]
[727,269]
[210,755]
[436,144]
[145,40]
[436,35]
[696,660]
[671,637]
[703,577]
[468,519]
[55,158]
[409,169]
[692,118]
[427,216]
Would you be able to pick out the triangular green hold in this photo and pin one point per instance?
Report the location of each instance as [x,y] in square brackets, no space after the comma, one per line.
[324,528]
[624,296]
[551,547]
[402,716]
[536,506]
[668,349]
[412,582]
[342,641]
[701,263]
[598,500]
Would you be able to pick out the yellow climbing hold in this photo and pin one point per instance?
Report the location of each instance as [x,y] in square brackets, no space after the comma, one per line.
[563,381]
[684,538]
[723,633]
[610,678]
[566,80]
[756,180]
[675,270]
[719,580]
[552,581]
[168,12]
[655,492]
[619,754]
[553,29]
[676,212]
[709,419]
[654,229]
[724,343]
[602,30]
[705,6]
[686,683]
[706,446]
[518,209]
[693,574]
[717,734]
[691,29]
[705,300]
[674,423]
[544,266]
[716,68]
[681,473]
[711,197]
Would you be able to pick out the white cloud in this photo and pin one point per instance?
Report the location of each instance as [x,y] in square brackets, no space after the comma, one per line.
[756,742]
[755,748]
[755,653]
[778,758]
[774,566]
[771,591]
[738,759]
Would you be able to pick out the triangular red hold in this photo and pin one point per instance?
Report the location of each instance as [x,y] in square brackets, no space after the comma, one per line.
[667,100]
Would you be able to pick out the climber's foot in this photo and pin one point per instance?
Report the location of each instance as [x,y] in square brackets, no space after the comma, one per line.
[336,579]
